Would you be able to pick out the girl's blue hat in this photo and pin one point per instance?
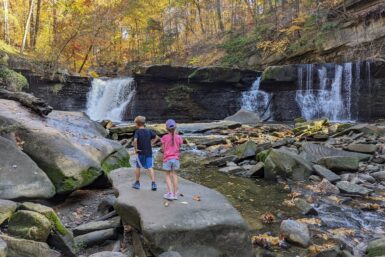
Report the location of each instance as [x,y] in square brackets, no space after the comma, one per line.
[170,124]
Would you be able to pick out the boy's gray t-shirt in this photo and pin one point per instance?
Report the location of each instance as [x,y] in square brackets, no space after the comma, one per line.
[144,137]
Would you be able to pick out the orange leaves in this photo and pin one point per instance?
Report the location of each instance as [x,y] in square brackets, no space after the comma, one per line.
[268,218]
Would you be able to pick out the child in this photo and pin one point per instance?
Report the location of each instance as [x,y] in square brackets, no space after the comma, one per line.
[143,140]
[171,150]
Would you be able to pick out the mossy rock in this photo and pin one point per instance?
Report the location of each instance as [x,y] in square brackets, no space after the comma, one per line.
[245,150]
[7,208]
[285,73]
[12,80]
[376,248]
[116,160]
[48,212]
[261,157]
[29,225]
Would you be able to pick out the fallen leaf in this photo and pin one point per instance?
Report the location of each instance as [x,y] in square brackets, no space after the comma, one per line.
[289,203]
[314,249]
[268,218]
[310,221]
[166,203]
[196,198]
[342,231]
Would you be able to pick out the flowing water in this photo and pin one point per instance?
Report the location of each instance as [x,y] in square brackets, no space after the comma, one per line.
[332,97]
[256,100]
[109,98]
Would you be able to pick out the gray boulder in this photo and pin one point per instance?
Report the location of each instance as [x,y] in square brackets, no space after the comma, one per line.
[244,151]
[314,152]
[96,237]
[326,188]
[295,232]
[340,163]
[30,181]
[210,227]
[380,175]
[305,207]
[286,165]
[97,225]
[204,127]
[108,254]
[326,173]
[29,225]
[362,148]
[350,188]
[252,171]
[7,208]
[67,146]
[244,117]
[376,248]
[27,248]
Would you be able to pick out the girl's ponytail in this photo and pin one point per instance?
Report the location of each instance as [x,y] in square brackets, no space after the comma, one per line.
[173,136]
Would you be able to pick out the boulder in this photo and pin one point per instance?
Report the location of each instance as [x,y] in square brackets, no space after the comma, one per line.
[97,225]
[108,254]
[207,141]
[29,225]
[326,188]
[286,165]
[30,181]
[231,169]
[209,227]
[340,163]
[283,142]
[7,208]
[362,148]
[284,73]
[67,146]
[380,175]
[3,248]
[314,152]
[204,127]
[96,237]
[244,151]
[221,161]
[376,248]
[295,232]
[252,171]
[326,173]
[366,129]
[27,248]
[354,189]
[244,117]
[305,207]
[118,159]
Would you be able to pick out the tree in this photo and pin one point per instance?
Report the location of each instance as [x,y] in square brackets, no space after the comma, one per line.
[27,24]
[6,21]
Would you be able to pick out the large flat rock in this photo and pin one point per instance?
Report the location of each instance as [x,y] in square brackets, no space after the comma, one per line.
[67,146]
[204,127]
[210,227]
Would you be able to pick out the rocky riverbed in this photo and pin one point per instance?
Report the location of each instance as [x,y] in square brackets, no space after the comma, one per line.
[311,188]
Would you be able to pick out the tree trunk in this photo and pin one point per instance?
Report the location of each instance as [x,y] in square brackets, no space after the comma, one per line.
[27,26]
[6,21]
[219,15]
[197,4]
[37,24]
[31,27]
[85,58]
[54,23]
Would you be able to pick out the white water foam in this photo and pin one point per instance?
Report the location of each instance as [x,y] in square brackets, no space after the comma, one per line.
[256,100]
[109,98]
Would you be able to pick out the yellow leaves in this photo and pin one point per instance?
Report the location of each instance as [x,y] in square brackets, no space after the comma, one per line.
[277,46]
[342,232]
[310,221]
[314,249]
[265,240]
[268,218]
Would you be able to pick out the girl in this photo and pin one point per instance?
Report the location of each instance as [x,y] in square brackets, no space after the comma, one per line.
[171,144]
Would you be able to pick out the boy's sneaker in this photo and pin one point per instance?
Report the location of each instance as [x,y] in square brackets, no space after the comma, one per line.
[136,185]
[153,186]
[169,196]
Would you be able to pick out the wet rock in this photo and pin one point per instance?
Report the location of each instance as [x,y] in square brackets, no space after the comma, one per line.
[333,252]
[29,225]
[221,161]
[27,248]
[339,163]
[252,171]
[97,225]
[244,117]
[295,232]
[199,222]
[244,151]
[362,148]
[376,248]
[3,248]
[314,152]
[350,188]
[366,129]
[283,142]
[67,146]
[326,173]
[325,187]
[367,178]
[379,175]
[231,169]
[315,178]
[305,207]
[286,165]
[108,254]
[7,208]
[118,159]
[30,181]
[170,254]
[96,237]
[204,127]
[207,141]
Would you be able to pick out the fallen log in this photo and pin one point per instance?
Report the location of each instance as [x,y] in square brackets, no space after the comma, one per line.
[37,105]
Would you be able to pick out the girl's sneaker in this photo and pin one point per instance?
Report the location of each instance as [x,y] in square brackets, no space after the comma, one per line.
[175,196]
[169,196]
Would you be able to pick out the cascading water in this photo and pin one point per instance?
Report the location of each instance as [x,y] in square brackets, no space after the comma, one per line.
[109,98]
[256,100]
[332,98]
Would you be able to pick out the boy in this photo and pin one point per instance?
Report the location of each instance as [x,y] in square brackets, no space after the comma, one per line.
[143,140]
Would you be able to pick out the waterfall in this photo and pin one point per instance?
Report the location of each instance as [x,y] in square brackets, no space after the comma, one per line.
[256,100]
[109,98]
[331,98]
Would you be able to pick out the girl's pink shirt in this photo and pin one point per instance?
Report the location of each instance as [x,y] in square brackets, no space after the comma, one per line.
[171,151]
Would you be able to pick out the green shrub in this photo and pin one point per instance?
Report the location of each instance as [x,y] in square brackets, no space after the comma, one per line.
[12,80]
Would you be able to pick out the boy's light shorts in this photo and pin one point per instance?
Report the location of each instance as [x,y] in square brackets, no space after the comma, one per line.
[171,165]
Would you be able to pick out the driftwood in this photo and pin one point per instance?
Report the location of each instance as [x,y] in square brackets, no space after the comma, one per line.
[37,105]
